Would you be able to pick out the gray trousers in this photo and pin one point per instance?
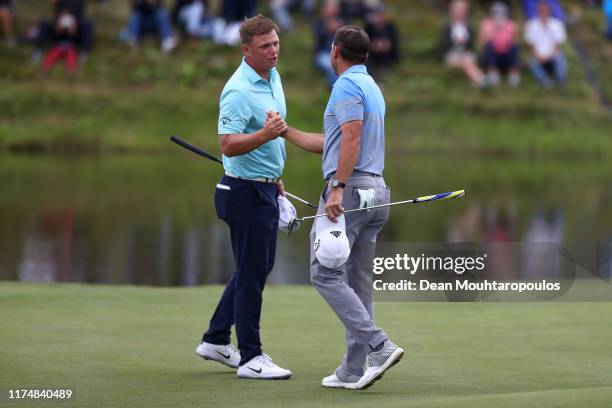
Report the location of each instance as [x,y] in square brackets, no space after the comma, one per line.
[348,290]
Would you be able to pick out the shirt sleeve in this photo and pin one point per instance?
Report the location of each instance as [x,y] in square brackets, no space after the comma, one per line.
[561,35]
[234,113]
[348,102]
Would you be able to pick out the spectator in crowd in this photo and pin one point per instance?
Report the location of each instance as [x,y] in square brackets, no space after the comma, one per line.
[607,8]
[45,31]
[150,16]
[324,30]
[6,21]
[383,41]
[501,54]
[232,13]
[457,43]
[192,16]
[65,43]
[281,9]
[546,35]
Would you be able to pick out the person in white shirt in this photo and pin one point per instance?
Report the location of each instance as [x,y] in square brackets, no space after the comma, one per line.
[546,35]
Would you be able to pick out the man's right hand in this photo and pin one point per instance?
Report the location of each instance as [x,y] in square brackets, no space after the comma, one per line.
[274,126]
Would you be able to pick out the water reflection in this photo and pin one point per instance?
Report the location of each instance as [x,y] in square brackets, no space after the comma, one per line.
[150,221]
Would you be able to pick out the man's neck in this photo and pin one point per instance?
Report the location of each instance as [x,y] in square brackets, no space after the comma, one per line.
[343,67]
[264,74]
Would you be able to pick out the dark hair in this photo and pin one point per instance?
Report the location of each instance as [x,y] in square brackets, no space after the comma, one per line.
[257,25]
[353,42]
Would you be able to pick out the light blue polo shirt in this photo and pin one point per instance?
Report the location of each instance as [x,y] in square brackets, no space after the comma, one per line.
[245,101]
[355,96]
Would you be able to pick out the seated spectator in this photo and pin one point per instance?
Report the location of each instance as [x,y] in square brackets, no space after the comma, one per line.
[324,30]
[607,8]
[232,13]
[501,54]
[281,11]
[44,32]
[150,16]
[546,35]
[191,16]
[65,47]
[457,43]
[383,41]
[6,21]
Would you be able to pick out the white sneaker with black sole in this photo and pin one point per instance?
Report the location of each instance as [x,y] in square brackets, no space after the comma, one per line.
[263,368]
[341,379]
[224,354]
[379,362]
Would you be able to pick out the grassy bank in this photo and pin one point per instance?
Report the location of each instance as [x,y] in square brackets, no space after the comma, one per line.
[120,346]
[131,101]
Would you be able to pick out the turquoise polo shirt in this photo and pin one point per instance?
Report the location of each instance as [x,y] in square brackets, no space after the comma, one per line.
[245,101]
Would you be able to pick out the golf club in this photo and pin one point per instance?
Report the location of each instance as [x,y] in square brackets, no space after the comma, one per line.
[424,199]
[209,156]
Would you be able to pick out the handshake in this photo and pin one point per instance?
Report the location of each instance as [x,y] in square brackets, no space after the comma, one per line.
[274,126]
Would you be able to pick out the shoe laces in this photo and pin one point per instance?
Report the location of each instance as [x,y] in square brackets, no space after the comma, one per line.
[265,359]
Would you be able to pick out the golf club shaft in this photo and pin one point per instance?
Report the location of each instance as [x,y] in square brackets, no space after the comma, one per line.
[209,156]
[435,197]
[194,149]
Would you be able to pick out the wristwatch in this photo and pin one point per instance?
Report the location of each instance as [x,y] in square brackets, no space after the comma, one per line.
[335,183]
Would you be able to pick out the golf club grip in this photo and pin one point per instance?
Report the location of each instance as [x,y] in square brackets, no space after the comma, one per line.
[194,149]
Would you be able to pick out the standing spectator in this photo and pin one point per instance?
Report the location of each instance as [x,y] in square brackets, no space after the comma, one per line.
[546,35]
[281,9]
[65,47]
[501,54]
[383,41]
[6,21]
[457,43]
[324,30]
[607,8]
[150,16]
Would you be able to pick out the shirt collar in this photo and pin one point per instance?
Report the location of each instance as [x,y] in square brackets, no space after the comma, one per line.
[253,76]
[359,69]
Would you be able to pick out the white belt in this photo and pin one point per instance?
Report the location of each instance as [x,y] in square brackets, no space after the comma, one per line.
[270,180]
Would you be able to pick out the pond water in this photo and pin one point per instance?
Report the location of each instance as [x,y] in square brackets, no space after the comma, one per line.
[150,220]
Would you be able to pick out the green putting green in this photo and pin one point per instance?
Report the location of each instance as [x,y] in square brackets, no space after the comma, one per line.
[121,346]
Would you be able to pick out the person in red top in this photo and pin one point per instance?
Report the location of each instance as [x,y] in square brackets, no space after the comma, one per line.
[501,54]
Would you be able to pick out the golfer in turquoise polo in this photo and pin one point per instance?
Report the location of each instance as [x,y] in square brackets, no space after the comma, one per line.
[252,108]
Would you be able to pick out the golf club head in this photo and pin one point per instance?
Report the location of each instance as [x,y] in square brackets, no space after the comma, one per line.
[294,225]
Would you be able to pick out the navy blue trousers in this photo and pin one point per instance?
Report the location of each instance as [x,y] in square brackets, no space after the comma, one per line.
[250,210]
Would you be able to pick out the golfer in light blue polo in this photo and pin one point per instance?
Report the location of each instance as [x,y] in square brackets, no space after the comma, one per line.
[252,108]
[353,148]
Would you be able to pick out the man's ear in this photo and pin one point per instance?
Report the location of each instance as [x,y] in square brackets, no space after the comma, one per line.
[335,52]
[245,50]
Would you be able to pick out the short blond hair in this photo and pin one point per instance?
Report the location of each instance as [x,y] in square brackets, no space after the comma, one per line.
[257,25]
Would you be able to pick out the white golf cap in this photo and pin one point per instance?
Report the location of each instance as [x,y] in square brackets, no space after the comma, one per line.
[331,245]
[287,213]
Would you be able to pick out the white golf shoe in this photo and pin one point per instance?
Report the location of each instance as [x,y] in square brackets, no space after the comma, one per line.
[224,354]
[341,379]
[263,368]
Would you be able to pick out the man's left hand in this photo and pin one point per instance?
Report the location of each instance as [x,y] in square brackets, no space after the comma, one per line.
[333,207]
